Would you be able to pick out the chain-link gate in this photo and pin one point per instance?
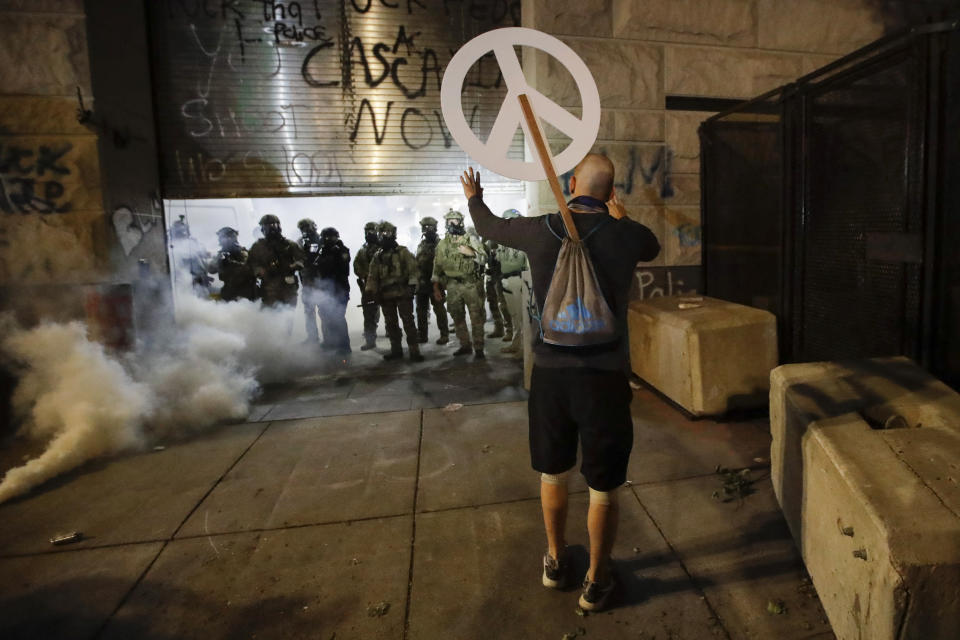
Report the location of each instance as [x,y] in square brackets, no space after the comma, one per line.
[832,202]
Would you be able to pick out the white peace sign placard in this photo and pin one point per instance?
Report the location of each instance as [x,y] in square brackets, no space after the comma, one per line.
[493,153]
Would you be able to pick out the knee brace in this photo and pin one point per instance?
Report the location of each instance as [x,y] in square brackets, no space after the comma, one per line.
[603,497]
[559,479]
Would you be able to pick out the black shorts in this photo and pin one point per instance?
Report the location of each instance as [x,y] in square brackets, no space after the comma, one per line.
[590,404]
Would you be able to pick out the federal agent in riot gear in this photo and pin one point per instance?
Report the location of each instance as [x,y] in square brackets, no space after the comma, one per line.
[231,265]
[392,281]
[361,267]
[333,284]
[275,261]
[458,268]
[425,255]
[190,256]
[513,263]
[494,291]
[310,276]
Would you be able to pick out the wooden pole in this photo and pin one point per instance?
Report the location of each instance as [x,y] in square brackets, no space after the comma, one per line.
[543,152]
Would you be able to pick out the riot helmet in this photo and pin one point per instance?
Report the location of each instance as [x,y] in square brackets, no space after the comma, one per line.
[227,237]
[370,232]
[270,226]
[428,226]
[180,229]
[387,235]
[307,227]
[329,236]
[454,223]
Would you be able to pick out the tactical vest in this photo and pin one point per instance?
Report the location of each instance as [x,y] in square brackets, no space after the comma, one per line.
[426,252]
[390,272]
[451,265]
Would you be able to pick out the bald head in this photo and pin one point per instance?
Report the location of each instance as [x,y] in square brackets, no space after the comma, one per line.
[593,177]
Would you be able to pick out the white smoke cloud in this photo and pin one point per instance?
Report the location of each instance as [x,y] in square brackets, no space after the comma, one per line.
[76,395]
[87,402]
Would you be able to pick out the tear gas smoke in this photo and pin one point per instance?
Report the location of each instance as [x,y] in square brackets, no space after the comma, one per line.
[88,402]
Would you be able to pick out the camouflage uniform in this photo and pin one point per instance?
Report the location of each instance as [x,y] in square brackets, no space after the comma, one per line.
[232,268]
[457,267]
[513,263]
[276,260]
[392,281]
[361,267]
[425,254]
[495,299]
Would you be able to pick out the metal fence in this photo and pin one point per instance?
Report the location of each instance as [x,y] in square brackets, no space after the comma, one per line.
[833,203]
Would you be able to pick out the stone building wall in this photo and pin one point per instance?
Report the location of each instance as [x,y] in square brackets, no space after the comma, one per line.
[641,51]
[52,227]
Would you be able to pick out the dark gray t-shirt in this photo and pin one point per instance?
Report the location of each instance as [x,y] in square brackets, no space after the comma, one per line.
[615,249]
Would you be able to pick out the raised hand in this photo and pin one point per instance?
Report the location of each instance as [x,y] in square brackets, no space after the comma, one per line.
[471,184]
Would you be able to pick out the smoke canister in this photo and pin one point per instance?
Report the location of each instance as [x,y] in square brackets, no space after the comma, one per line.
[109,310]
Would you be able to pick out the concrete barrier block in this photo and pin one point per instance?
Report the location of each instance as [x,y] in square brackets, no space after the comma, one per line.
[875,511]
[709,357]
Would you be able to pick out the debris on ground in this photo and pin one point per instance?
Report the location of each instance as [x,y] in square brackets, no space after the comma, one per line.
[579,633]
[486,448]
[159,447]
[776,607]
[736,484]
[636,549]
[378,610]
[761,460]
[66,538]
[355,561]
[628,483]
[806,588]
[453,406]
[580,612]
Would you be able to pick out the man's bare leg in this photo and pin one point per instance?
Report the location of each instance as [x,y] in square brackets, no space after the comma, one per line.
[553,499]
[602,518]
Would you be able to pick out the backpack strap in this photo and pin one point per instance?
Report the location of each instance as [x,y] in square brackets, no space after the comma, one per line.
[582,238]
[595,227]
[546,220]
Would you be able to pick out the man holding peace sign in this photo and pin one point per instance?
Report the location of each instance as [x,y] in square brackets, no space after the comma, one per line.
[578,393]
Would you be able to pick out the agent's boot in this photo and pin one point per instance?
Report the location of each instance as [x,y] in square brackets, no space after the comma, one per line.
[464,350]
[497,331]
[415,355]
[508,335]
[444,338]
[478,354]
[396,352]
[369,343]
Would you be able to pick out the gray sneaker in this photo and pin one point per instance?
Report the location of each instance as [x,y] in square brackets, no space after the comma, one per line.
[554,570]
[595,595]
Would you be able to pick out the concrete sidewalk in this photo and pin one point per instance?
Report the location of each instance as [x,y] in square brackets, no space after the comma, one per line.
[420,523]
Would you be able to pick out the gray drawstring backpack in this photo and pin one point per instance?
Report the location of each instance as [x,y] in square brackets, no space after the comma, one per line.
[575,313]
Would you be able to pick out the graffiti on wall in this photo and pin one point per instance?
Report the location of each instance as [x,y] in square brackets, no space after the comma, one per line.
[654,282]
[638,171]
[325,93]
[31,177]
[131,226]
